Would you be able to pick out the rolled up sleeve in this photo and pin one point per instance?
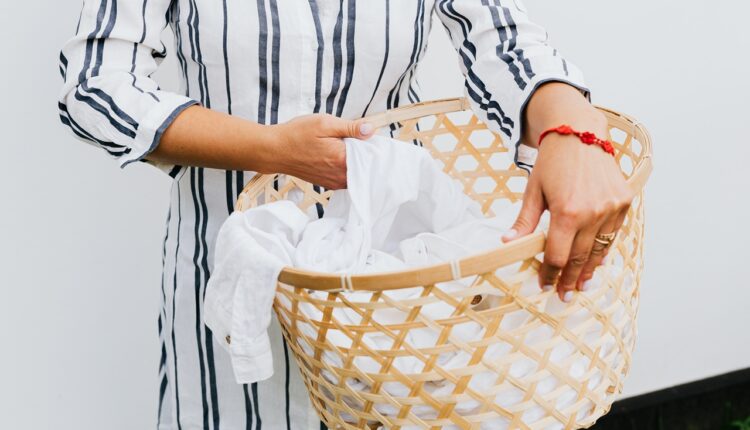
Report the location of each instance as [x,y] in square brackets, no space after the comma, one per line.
[108,98]
[504,58]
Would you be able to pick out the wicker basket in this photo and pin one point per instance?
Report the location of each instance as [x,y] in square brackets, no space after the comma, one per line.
[532,367]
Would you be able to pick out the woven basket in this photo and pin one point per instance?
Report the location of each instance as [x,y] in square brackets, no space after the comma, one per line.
[533,367]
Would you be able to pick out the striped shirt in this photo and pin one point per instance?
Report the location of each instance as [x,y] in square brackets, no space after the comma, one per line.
[269,61]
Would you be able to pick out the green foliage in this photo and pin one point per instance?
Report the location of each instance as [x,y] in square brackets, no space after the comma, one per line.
[740,424]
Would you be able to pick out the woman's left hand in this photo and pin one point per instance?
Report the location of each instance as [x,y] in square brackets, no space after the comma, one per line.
[584,190]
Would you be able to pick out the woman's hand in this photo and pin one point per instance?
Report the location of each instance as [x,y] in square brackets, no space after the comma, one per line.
[582,187]
[308,147]
[311,148]
[586,195]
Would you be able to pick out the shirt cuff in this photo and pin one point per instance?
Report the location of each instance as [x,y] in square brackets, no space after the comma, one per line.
[152,127]
[252,363]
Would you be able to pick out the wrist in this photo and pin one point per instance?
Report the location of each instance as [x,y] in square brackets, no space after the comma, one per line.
[586,138]
[267,148]
[555,103]
[591,120]
[587,119]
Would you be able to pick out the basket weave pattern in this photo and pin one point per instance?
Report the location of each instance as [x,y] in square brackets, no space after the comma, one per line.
[531,368]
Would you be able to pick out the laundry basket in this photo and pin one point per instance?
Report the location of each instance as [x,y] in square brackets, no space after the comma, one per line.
[560,369]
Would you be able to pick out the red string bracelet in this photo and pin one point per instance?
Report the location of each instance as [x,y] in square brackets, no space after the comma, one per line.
[586,137]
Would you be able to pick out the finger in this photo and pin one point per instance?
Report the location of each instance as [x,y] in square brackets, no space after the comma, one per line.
[557,248]
[599,250]
[531,210]
[579,255]
[360,129]
[619,221]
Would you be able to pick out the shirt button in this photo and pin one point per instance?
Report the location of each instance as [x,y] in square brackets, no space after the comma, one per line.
[228,339]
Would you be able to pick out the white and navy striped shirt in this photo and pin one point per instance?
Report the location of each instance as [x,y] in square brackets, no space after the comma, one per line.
[269,61]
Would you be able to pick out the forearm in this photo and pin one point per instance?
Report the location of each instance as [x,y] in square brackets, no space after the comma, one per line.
[310,147]
[557,103]
[203,137]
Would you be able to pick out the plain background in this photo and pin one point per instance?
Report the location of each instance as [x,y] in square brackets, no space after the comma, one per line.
[81,239]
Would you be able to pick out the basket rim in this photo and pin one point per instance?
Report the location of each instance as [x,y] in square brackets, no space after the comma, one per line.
[507,253]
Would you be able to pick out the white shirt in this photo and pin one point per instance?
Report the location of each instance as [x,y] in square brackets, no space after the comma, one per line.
[269,61]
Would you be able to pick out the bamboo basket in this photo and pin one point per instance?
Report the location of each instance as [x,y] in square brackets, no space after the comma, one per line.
[575,358]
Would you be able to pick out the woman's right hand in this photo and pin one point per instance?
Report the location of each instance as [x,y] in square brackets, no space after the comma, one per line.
[311,147]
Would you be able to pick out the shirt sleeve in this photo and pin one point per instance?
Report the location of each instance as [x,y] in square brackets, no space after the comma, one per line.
[108,98]
[504,58]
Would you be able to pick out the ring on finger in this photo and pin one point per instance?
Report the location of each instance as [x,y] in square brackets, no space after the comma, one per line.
[605,239]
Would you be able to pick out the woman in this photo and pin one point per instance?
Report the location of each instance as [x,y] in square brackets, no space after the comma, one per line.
[273,86]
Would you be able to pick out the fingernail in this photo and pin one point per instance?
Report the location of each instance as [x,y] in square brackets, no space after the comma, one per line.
[548,288]
[365,128]
[511,234]
[568,296]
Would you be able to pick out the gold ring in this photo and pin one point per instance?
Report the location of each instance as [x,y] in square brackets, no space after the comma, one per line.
[605,239]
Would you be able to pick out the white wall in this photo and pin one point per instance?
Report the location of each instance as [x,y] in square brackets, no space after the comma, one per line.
[81,239]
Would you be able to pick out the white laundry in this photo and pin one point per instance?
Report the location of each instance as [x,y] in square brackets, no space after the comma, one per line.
[400,210]
[251,250]
[395,191]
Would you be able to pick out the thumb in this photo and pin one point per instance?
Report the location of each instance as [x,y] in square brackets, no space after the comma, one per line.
[359,129]
[531,211]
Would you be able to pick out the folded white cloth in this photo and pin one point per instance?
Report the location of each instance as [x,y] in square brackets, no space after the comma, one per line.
[395,192]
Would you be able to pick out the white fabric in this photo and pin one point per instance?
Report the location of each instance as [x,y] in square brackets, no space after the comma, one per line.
[395,191]
[251,250]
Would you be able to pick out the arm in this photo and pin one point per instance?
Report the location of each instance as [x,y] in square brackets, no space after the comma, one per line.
[520,86]
[109,100]
[308,147]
